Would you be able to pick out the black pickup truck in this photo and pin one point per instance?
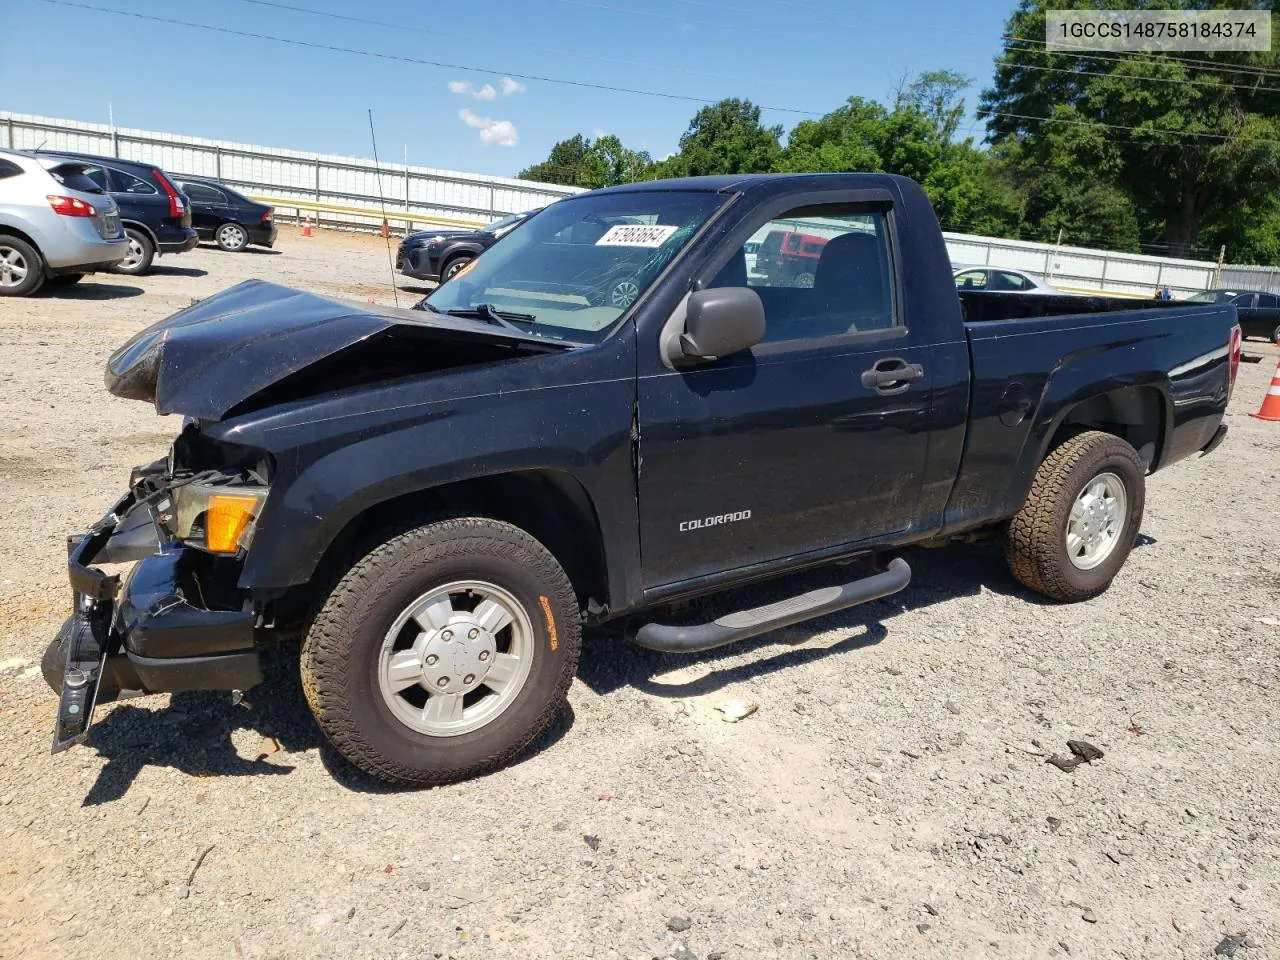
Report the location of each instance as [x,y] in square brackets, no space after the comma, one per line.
[438,499]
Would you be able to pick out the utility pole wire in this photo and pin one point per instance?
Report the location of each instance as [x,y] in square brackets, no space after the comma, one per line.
[377,172]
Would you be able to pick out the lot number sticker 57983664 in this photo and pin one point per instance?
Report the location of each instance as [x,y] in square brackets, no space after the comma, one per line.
[636,235]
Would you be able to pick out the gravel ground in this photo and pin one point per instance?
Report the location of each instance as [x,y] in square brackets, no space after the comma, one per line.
[889,797]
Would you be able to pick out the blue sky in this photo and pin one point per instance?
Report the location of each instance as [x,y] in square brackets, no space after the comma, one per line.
[807,55]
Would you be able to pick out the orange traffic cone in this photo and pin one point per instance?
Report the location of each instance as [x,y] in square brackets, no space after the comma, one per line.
[1270,409]
[385,231]
[306,227]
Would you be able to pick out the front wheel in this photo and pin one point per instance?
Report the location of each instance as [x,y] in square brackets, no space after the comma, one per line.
[1081,518]
[453,268]
[1275,335]
[443,651]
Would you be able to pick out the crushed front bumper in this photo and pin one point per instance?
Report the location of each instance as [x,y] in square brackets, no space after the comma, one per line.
[153,633]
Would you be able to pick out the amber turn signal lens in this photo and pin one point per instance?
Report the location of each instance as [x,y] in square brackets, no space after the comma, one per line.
[226,520]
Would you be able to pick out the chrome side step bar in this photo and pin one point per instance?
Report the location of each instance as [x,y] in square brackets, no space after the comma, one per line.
[733,627]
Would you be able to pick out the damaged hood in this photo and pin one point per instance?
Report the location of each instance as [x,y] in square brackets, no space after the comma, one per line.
[207,359]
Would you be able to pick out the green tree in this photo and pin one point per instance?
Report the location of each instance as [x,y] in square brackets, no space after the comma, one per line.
[726,137]
[848,139]
[566,164]
[936,94]
[1194,145]
[968,191]
[581,162]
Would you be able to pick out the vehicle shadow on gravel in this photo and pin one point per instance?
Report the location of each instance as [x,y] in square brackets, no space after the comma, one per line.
[178,272]
[193,734]
[259,251]
[958,570]
[93,291]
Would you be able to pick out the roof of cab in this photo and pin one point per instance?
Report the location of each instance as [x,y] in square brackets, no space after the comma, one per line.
[738,183]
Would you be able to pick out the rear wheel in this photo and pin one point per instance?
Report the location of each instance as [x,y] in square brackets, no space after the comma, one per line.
[1080,520]
[138,257]
[443,651]
[1275,335]
[21,269]
[231,237]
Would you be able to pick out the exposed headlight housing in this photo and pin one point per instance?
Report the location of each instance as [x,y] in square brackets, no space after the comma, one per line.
[216,517]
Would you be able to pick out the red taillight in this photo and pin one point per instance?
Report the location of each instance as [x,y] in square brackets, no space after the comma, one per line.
[267,214]
[71,207]
[1235,346]
[175,202]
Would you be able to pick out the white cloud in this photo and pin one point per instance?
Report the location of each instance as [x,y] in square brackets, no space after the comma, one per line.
[493,133]
[484,93]
[510,86]
[599,132]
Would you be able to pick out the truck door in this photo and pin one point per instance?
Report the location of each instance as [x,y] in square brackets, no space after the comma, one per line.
[816,437]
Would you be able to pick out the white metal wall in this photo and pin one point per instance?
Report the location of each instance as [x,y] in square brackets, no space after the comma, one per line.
[276,172]
[1084,269]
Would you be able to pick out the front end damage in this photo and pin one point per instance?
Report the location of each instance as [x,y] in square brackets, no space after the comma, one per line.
[176,621]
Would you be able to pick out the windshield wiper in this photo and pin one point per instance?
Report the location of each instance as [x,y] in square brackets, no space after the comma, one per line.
[490,314]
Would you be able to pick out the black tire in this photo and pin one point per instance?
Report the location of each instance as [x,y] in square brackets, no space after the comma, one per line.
[25,258]
[453,265]
[231,237]
[65,279]
[54,662]
[147,254]
[1035,544]
[1275,335]
[340,656]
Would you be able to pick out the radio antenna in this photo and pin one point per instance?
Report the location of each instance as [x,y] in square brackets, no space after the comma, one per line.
[377,170]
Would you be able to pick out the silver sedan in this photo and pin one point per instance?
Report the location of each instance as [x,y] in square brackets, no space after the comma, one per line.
[1001,280]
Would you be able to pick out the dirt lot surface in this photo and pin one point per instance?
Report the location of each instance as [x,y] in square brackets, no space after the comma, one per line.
[889,798]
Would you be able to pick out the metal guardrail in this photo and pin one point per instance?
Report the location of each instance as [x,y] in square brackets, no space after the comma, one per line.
[375,214]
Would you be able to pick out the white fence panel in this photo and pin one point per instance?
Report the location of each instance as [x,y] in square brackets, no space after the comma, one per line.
[277,172]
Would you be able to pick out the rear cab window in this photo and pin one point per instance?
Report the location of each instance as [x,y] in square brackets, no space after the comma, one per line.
[9,169]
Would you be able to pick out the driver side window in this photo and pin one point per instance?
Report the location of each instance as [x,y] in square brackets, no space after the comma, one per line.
[820,271]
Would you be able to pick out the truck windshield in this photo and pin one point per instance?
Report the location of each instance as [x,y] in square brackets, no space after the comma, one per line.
[574,268]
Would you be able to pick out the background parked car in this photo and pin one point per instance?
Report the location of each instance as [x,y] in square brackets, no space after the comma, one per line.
[1000,279]
[155,214]
[787,258]
[56,225]
[439,254]
[228,218]
[1258,311]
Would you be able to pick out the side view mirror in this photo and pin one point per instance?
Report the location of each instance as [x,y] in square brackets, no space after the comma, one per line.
[719,322]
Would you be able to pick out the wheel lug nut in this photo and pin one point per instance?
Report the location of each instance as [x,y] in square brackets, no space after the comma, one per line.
[446,635]
[432,660]
[472,633]
[484,655]
[469,678]
[442,682]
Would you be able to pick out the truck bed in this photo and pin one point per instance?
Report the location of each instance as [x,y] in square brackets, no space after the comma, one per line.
[1158,374]
[984,305]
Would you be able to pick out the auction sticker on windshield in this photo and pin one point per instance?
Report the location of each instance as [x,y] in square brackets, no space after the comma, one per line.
[636,235]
